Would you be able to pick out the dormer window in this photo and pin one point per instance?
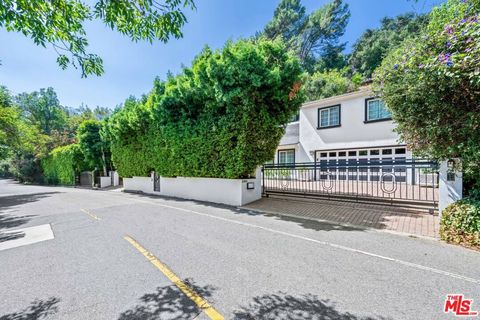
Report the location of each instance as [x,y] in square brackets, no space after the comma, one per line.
[329,117]
[375,110]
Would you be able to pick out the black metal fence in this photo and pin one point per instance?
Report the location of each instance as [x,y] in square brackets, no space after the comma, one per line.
[410,181]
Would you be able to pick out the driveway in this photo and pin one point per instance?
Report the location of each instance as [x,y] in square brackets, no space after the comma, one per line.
[124,256]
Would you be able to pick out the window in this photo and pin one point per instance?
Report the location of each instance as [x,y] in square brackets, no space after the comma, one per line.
[387,151]
[342,154]
[323,155]
[352,153]
[400,151]
[329,117]
[375,110]
[286,156]
[332,154]
[362,152]
[374,152]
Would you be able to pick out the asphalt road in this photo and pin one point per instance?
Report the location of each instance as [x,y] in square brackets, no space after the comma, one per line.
[237,264]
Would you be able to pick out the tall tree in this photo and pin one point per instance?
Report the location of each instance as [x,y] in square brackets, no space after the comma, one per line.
[59,23]
[312,37]
[42,109]
[374,44]
[92,145]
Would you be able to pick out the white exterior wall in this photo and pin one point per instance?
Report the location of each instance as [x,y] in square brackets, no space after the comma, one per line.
[105,182]
[143,184]
[353,132]
[232,192]
[450,189]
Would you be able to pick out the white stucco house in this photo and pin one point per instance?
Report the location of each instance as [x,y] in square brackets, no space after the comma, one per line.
[354,125]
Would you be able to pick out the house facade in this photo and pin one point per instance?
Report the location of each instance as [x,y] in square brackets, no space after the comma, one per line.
[355,125]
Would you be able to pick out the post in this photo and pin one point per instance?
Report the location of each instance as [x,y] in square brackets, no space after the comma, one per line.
[450,184]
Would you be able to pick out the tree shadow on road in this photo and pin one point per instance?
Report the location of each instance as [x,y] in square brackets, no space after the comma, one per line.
[287,307]
[168,303]
[8,202]
[38,309]
[16,200]
[11,236]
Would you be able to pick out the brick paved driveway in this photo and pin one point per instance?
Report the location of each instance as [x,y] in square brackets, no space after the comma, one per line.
[381,217]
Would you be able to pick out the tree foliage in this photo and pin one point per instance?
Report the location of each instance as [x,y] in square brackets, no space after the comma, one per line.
[60,23]
[432,86]
[374,44]
[93,146]
[311,37]
[222,117]
[330,83]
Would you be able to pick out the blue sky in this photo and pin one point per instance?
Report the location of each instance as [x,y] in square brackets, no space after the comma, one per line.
[131,67]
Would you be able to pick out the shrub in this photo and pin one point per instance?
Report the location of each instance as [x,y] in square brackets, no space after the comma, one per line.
[61,165]
[222,117]
[461,223]
[432,86]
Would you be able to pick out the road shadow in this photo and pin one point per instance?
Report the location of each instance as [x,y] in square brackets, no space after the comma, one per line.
[12,201]
[38,309]
[168,302]
[8,220]
[288,307]
[11,236]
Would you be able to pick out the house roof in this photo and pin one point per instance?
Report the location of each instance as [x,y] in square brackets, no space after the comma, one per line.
[362,91]
[292,134]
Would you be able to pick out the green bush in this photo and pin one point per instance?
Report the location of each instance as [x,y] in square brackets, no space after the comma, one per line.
[222,117]
[461,223]
[61,165]
[431,85]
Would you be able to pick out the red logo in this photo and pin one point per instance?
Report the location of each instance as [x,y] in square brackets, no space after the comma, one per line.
[459,306]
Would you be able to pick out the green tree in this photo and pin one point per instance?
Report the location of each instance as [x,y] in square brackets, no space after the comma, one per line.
[60,23]
[15,134]
[93,146]
[326,84]
[312,37]
[432,86]
[374,44]
[43,110]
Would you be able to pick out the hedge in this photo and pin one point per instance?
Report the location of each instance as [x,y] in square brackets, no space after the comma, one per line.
[460,223]
[222,117]
[61,164]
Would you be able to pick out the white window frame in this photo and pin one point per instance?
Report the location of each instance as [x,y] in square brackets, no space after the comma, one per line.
[286,151]
[367,111]
[328,111]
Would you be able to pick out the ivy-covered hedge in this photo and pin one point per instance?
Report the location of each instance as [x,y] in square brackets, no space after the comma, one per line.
[61,164]
[461,223]
[222,117]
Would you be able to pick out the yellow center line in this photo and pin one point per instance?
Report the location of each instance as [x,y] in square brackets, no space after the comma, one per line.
[189,292]
[93,216]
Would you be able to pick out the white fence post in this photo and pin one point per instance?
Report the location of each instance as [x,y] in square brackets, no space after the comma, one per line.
[451,183]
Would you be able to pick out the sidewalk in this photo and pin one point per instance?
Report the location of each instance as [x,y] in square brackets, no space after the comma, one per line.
[362,215]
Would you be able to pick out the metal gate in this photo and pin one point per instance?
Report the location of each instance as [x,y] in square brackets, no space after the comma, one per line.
[397,181]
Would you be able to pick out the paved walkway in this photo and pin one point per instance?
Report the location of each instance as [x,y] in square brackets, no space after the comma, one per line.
[362,215]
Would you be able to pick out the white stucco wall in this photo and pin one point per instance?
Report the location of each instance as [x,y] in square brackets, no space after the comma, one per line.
[105,182]
[352,133]
[450,190]
[225,191]
[143,184]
